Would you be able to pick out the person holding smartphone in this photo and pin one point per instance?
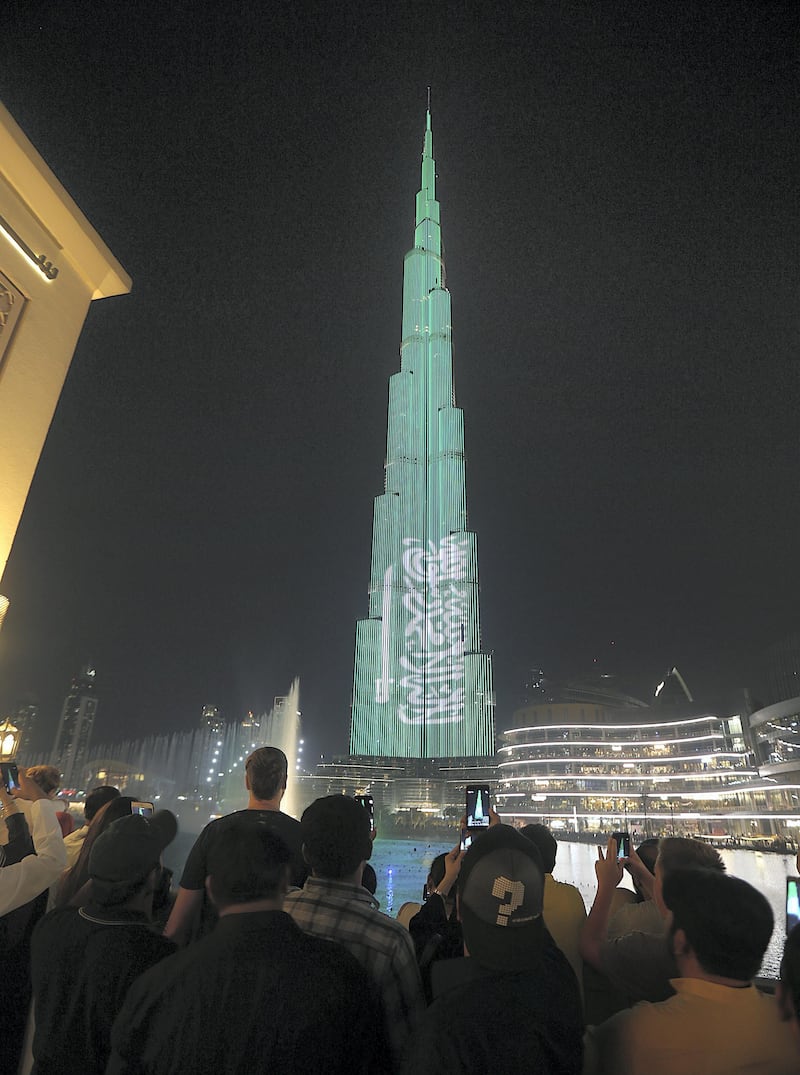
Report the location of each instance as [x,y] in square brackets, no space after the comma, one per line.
[717,1022]
[23,881]
[639,965]
[435,928]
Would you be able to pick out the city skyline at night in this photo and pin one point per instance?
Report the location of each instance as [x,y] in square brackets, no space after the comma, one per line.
[621,235]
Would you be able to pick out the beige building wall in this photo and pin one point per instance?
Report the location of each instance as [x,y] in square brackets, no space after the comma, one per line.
[53,264]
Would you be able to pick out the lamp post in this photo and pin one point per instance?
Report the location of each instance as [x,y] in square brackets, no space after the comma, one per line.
[9,740]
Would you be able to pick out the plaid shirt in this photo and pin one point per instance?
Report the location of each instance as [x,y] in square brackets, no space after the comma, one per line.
[348,914]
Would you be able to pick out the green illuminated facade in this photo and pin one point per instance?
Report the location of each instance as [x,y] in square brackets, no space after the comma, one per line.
[422,688]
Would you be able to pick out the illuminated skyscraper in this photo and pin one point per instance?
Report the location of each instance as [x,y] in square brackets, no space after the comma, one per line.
[26,719]
[211,721]
[75,726]
[422,687]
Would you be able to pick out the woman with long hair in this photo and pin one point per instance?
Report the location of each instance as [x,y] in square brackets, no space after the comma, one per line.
[73,880]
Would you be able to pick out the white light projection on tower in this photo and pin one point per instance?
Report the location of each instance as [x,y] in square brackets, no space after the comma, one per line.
[422,687]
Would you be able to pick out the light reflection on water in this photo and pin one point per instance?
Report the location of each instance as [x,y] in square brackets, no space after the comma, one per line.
[402,867]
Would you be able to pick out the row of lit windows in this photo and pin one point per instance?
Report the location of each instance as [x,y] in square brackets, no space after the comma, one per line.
[634,753]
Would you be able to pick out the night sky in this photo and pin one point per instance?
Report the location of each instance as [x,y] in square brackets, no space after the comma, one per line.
[620,218]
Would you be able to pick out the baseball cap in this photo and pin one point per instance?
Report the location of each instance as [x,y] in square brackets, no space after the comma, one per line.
[501,891]
[130,847]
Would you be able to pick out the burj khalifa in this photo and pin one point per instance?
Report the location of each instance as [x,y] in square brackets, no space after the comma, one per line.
[422,687]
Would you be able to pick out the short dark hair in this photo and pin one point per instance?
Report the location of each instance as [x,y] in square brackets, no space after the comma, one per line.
[96,798]
[266,769]
[727,922]
[544,840]
[680,853]
[438,869]
[648,852]
[336,835]
[790,969]
[254,865]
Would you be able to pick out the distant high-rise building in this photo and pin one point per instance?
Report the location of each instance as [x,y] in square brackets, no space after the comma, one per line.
[211,721]
[422,687]
[25,719]
[75,726]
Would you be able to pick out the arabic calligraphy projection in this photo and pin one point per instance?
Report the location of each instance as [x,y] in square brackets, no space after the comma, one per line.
[434,659]
[422,688]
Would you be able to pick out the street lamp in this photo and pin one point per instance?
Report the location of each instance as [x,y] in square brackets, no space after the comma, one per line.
[9,741]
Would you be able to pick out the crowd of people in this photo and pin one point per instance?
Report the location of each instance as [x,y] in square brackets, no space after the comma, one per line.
[272,954]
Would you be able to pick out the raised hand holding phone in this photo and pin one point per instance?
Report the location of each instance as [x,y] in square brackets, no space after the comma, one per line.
[479,806]
[608,868]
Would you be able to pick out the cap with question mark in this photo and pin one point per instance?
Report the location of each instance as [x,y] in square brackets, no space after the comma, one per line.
[501,890]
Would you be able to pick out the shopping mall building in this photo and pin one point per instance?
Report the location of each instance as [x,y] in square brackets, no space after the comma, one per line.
[584,757]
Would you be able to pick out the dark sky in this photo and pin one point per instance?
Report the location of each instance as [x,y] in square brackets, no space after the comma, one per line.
[620,217]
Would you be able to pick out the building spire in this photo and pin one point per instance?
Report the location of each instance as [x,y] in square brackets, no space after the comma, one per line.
[427,234]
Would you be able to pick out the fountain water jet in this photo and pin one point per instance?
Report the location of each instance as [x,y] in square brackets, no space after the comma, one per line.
[200,774]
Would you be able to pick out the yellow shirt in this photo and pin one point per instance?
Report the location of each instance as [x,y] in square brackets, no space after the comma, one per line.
[705,1029]
[564,913]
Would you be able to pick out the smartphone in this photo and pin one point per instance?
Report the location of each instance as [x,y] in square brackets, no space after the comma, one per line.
[145,809]
[466,840]
[369,805]
[478,806]
[792,902]
[10,776]
[623,844]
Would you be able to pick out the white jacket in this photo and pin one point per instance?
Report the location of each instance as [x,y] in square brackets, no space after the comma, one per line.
[26,879]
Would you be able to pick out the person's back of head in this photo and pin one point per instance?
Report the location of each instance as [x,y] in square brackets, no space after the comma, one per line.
[252,868]
[546,843]
[648,852]
[48,777]
[679,853]
[125,858]
[726,922]
[337,836]
[437,871]
[266,772]
[74,880]
[96,798]
[789,985]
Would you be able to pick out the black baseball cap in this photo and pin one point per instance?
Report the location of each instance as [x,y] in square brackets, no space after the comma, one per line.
[130,847]
[501,892]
